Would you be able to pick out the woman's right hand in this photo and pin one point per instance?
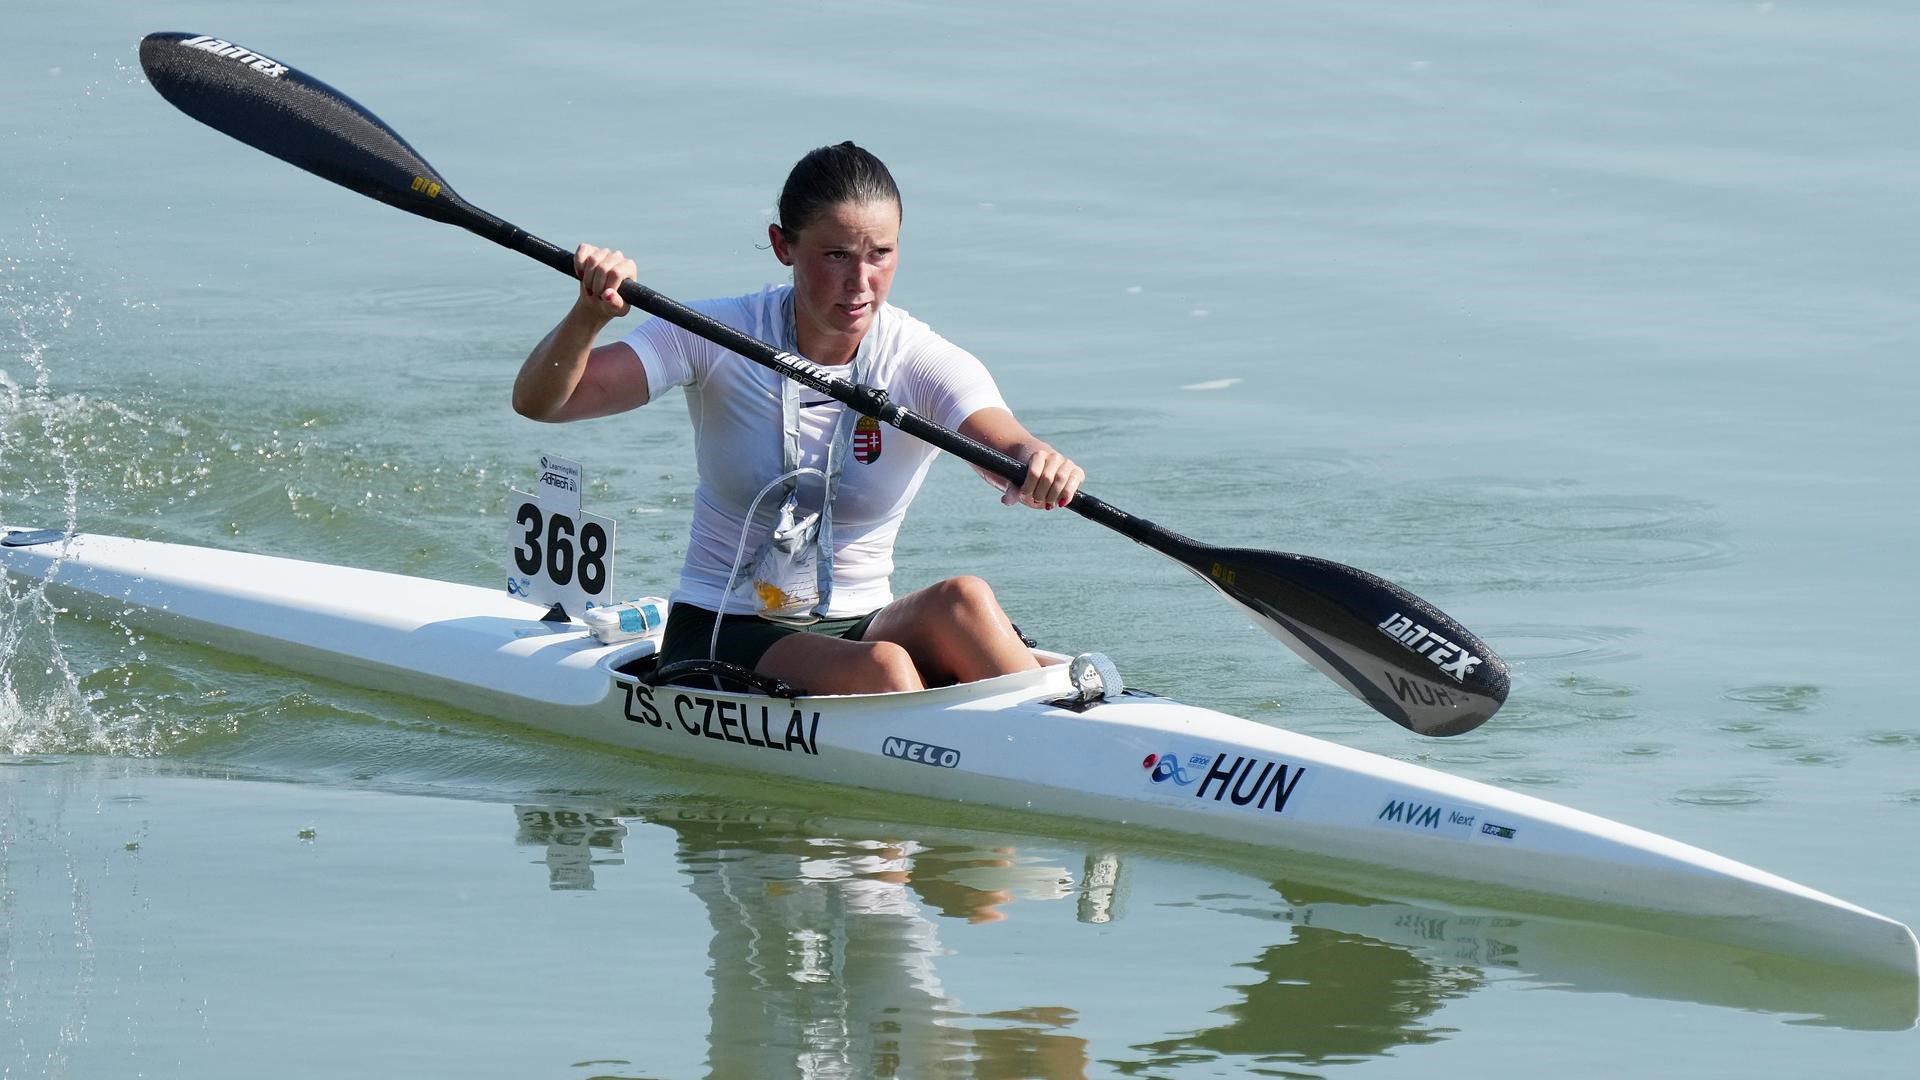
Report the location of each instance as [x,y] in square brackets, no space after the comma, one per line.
[601,270]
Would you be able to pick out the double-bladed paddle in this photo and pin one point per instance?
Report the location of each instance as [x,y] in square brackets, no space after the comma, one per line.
[1388,647]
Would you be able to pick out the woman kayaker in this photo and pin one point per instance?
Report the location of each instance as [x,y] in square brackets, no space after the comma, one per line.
[805,589]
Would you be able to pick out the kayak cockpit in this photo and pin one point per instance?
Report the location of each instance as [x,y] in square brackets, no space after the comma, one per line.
[1080,680]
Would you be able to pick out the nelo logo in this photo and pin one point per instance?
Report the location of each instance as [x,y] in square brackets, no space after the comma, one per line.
[924,753]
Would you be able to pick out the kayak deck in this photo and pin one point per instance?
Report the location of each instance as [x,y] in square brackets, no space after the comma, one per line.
[1017,742]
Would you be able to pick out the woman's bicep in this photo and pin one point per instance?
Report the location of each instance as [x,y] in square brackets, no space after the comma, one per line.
[615,381]
[997,427]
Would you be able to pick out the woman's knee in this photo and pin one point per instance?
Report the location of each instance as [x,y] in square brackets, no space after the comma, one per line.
[889,667]
[969,595]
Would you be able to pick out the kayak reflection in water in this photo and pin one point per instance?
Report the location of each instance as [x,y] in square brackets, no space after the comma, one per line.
[799,500]
[826,943]
[824,947]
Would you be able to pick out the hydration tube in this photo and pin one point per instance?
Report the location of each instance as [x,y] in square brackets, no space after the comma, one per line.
[740,552]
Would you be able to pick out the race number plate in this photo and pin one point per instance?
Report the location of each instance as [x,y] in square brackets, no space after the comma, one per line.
[557,552]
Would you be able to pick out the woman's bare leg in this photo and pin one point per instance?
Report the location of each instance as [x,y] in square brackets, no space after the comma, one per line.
[830,665]
[954,631]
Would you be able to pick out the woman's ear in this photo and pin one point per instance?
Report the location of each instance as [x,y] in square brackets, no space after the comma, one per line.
[782,250]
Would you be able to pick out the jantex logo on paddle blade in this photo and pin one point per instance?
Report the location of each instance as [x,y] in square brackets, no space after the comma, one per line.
[1448,656]
[272,69]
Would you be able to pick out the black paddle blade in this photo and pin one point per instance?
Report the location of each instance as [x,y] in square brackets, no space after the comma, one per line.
[1388,647]
[296,118]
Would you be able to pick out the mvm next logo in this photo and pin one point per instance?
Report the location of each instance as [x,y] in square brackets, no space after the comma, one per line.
[1429,816]
[1249,781]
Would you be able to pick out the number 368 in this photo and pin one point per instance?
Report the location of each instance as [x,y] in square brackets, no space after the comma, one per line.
[548,547]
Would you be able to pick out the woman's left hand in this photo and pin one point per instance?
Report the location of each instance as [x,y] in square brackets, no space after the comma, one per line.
[1052,481]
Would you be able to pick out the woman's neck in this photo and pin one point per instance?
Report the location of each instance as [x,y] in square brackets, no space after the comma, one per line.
[831,350]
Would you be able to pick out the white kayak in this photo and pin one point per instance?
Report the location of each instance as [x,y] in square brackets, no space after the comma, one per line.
[1037,742]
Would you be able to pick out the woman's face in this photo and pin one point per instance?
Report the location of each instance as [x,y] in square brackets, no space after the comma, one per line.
[843,262]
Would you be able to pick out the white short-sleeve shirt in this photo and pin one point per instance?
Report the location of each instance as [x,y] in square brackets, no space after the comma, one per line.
[735,407]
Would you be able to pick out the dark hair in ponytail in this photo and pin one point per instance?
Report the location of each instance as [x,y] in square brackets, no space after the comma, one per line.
[829,176]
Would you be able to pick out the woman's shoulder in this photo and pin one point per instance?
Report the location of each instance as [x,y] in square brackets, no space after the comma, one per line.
[919,354]
[900,321]
[909,338]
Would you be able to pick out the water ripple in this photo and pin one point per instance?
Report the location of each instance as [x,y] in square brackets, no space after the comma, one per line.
[1719,796]
[1484,534]
[436,299]
[1894,738]
[1777,698]
[1543,643]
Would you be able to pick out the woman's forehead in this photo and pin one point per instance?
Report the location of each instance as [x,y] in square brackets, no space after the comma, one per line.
[873,218]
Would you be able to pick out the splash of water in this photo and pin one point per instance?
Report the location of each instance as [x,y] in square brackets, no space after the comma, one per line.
[43,706]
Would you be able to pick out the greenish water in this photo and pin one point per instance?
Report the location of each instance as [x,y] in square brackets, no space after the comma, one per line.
[1589,323]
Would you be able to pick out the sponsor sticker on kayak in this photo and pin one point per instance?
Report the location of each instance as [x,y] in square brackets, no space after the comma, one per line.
[1168,767]
[1423,815]
[939,757]
[1237,779]
[560,481]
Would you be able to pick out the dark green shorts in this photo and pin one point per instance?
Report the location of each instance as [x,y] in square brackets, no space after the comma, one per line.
[744,639]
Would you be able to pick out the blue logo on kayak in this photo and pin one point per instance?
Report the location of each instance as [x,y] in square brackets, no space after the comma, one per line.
[1167,767]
